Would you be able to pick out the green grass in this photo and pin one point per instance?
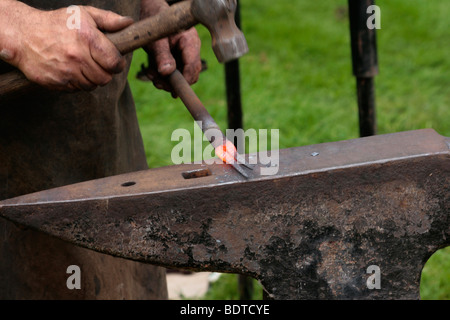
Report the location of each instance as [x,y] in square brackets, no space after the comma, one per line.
[297,78]
[226,288]
[435,281]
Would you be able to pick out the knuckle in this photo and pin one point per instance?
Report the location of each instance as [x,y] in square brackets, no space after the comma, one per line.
[85,34]
[67,74]
[74,54]
[198,67]
[110,15]
[71,54]
[85,11]
[115,63]
[105,80]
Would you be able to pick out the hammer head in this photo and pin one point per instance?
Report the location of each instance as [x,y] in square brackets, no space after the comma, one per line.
[228,41]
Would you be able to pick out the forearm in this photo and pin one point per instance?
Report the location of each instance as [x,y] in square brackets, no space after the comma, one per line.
[11,13]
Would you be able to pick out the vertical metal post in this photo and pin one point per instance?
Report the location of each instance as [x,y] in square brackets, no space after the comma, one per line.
[234,105]
[365,64]
[245,287]
[233,87]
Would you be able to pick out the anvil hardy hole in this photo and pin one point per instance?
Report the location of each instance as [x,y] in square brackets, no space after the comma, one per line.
[196,174]
[128,184]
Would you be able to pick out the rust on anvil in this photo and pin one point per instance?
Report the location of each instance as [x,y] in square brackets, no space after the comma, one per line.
[309,232]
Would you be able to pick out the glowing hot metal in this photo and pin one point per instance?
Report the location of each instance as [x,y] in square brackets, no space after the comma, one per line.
[223,148]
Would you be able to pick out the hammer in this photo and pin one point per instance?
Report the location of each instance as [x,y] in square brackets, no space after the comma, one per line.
[217,16]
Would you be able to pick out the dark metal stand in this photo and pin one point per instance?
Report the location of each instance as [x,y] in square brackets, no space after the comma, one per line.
[365,64]
[234,105]
[233,87]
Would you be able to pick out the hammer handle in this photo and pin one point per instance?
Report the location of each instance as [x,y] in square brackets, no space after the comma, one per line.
[196,108]
[170,21]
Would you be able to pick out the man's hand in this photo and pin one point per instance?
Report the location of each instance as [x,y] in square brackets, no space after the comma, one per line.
[164,54]
[49,53]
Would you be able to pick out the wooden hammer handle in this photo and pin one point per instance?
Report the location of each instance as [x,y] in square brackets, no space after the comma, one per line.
[170,21]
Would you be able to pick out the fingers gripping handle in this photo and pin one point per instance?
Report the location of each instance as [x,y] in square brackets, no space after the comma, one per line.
[170,21]
[217,15]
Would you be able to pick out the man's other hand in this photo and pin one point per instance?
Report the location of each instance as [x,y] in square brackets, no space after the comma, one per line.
[180,51]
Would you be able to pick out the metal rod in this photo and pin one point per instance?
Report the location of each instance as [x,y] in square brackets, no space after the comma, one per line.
[245,286]
[233,88]
[365,64]
[366,106]
[235,121]
[195,107]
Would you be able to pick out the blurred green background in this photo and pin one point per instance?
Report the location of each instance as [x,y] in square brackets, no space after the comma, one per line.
[298,78]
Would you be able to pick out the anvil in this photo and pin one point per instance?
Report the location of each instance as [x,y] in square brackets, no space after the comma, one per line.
[312,231]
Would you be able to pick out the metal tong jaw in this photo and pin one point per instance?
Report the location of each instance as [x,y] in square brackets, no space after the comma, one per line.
[224,148]
[227,152]
[240,163]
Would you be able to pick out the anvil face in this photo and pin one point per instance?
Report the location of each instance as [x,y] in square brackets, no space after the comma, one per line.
[310,231]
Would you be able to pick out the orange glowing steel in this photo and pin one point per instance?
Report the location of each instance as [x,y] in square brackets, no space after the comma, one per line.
[227,152]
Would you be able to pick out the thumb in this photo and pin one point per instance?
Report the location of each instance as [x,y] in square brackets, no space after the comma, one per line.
[108,20]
